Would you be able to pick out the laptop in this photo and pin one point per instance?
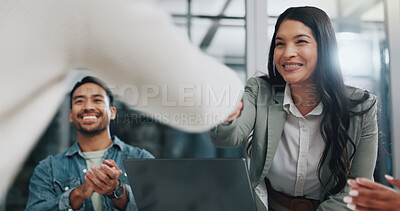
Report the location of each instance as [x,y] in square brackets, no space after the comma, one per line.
[190,184]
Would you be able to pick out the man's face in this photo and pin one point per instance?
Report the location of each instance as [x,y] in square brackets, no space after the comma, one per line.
[91,112]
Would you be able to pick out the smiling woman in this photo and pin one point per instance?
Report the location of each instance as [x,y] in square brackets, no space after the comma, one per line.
[296,53]
[310,132]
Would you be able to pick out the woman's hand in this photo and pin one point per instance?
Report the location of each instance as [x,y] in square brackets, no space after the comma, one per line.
[368,195]
[235,114]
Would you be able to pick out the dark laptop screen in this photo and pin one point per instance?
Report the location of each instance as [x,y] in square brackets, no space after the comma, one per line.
[190,184]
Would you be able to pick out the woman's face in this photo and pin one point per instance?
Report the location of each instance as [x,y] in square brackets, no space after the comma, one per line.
[296,52]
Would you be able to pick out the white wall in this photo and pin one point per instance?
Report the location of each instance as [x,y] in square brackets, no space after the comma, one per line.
[393,29]
[256,40]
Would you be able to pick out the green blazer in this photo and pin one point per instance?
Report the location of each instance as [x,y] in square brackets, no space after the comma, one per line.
[264,115]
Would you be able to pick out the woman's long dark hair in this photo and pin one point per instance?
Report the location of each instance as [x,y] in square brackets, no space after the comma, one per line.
[331,90]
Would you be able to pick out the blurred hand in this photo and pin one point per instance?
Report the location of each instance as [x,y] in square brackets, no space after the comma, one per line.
[368,195]
[79,194]
[104,180]
[236,113]
[392,181]
[86,190]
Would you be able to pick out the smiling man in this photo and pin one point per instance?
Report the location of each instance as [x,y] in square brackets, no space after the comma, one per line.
[89,175]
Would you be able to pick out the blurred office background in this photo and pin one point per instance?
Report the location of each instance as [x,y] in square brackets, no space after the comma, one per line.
[237,33]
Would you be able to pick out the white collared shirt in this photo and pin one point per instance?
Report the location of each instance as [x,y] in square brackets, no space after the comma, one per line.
[294,169]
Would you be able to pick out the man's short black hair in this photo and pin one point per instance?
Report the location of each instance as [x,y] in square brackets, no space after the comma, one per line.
[91,79]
